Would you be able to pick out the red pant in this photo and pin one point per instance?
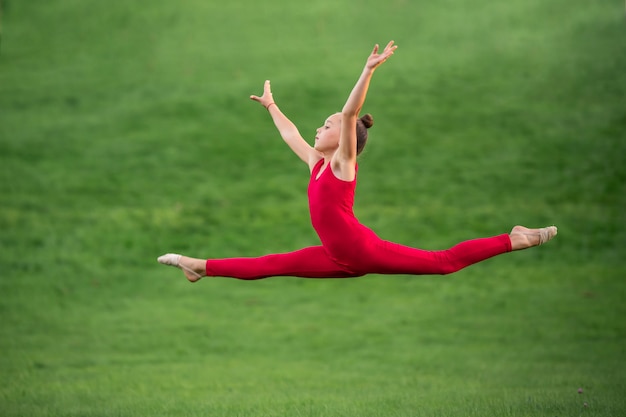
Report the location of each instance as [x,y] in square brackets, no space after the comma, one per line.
[376,257]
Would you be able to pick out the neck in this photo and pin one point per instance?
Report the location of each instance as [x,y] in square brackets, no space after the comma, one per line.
[328,156]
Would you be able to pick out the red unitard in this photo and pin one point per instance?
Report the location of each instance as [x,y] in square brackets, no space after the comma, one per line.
[349,249]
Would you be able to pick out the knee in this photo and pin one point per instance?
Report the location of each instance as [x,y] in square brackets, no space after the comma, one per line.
[447,265]
[447,269]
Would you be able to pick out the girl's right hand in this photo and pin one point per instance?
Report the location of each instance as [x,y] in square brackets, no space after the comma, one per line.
[266,99]
[375,59]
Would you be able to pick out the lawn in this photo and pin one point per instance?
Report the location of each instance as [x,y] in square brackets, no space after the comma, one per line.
[126,132]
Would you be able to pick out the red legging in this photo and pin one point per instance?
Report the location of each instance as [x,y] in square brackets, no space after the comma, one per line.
[375,256]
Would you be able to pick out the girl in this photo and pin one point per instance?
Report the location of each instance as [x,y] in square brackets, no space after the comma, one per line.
[348,248]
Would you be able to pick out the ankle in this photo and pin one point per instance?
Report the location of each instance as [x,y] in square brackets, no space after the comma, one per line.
[194,268]
[520,241]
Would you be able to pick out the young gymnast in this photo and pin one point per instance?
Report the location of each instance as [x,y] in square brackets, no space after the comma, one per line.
[348,248]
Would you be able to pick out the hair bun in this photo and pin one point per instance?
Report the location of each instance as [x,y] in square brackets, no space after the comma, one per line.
[368,120]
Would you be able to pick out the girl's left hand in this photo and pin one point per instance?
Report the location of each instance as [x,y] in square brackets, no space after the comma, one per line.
[375,59]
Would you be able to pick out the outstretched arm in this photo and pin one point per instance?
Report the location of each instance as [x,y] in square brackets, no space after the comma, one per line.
[288,131]
[346,154]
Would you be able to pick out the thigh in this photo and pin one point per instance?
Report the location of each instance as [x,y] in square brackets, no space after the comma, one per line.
[385,257]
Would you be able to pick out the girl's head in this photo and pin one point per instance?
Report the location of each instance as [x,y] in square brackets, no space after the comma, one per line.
[327,138]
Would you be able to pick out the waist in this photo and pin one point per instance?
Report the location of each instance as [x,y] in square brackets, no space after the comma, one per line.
[334,231]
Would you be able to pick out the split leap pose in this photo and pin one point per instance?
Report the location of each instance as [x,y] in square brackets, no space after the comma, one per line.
[348,248]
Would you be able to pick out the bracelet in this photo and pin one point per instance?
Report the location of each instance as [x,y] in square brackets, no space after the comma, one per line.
[268,106]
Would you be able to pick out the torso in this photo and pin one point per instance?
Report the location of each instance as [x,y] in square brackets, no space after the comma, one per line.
[331,202]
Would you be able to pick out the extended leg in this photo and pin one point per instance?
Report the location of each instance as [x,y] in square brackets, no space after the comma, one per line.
[311,262]
[392,258]
[385,257]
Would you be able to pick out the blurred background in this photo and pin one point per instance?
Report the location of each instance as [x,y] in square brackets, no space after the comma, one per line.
[126,131]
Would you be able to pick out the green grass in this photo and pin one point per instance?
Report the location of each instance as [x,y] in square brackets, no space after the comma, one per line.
[126,131]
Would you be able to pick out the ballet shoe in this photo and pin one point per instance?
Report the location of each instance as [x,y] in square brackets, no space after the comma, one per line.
[547,233]
[173,259]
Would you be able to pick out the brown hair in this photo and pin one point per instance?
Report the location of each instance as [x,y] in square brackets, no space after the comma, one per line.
[362,124]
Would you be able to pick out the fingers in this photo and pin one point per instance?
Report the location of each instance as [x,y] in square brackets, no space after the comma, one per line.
[389,49]
[266,92]
[387,52]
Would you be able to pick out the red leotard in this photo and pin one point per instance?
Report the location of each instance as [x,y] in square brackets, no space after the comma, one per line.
[349,249]
[330,204]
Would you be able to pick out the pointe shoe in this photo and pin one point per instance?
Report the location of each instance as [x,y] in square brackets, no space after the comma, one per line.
[173,259]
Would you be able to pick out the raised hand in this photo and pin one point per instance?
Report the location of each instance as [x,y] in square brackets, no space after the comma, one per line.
[266,99]
[375,59]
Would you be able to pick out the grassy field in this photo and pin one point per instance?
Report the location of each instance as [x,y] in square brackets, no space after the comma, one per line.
[126,132]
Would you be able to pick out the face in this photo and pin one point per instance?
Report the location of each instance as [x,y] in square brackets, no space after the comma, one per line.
[327,138]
